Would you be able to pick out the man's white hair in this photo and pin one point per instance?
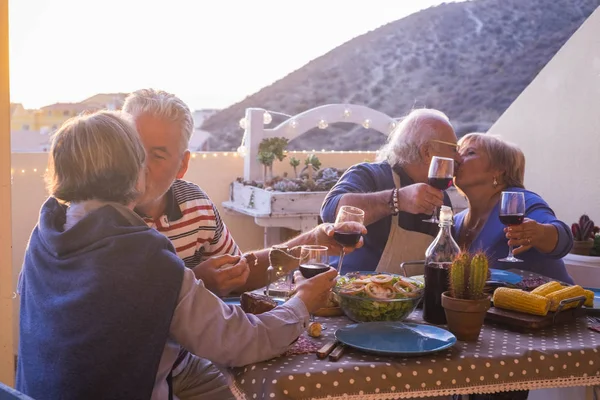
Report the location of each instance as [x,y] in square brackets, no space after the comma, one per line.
[414,130]
[163,105]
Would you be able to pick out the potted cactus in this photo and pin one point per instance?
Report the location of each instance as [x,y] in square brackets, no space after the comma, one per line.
[583,235]
[466,303]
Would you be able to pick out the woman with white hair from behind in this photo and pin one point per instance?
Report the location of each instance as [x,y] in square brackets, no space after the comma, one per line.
[105,301]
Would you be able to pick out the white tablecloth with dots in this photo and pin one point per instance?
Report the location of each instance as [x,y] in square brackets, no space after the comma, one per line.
[501,360]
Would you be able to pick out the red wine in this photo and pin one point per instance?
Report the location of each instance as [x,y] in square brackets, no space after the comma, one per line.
[512,219]
[440,183]
[436,283]
[310,270]
[347,239]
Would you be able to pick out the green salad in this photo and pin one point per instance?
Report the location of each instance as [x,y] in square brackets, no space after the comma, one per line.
[378,297]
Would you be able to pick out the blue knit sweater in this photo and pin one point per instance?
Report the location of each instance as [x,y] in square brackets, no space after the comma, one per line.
[96,306]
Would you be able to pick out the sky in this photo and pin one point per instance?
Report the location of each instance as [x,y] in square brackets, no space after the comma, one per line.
[210,53]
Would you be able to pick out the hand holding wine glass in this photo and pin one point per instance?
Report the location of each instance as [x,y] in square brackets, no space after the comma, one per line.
[512,212]
[441,173]
[348,235]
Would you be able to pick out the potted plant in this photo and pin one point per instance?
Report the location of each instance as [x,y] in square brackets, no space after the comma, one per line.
[466,303]
[583,236]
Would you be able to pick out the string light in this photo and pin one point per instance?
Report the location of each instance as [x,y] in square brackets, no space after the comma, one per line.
[346,113]
[367,123]
[267,119]
[322,124]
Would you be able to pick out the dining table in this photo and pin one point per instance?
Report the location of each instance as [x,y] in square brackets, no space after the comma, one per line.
[501,360]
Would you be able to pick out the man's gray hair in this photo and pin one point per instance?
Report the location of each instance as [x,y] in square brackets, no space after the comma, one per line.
[163,105]
[414,130]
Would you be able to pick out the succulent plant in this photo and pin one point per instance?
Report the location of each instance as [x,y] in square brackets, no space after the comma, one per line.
[584,229]
[286,186]
[294,162]
[468,275]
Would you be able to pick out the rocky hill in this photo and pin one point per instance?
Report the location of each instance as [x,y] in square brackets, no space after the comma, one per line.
[470,60]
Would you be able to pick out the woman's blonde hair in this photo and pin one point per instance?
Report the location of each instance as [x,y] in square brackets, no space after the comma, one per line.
[96,156]
[503,156]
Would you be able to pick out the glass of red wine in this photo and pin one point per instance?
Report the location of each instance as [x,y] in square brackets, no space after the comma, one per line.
[347,235]
[313,261]
[512,212]
[441,173]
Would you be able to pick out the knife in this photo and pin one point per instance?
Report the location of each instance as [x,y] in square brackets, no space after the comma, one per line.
[337,353]
[327,348]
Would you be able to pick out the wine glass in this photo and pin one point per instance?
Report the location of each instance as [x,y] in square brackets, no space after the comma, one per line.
[347,235]
[512,212]
[313,261]
[441,172]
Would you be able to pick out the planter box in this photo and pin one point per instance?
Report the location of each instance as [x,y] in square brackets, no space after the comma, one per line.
[261,203]
[585,270]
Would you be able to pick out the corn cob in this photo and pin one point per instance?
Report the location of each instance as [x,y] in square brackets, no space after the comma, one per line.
[566,293]
[589,298]
[519,300]
[547,288]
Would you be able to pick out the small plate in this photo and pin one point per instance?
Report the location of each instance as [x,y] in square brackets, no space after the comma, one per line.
[396,338]
[500,275]
[235,300]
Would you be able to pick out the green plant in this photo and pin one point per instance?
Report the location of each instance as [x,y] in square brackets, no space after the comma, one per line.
[294,162]
[584,229]
[268,150]
[313,164]
[468,275]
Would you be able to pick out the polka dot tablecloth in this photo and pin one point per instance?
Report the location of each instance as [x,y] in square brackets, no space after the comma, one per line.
[501,360]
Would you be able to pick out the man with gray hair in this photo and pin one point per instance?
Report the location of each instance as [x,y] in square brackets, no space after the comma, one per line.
[184,213]
[394,193]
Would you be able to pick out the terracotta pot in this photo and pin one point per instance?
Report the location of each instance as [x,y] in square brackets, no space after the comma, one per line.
[582,247]
[465,317]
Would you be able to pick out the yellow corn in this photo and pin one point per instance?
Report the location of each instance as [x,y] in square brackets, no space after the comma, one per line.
[547,288]
[589,298]
[566,293]
[518,300]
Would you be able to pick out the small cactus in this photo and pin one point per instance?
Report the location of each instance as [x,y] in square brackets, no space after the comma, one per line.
[584,229]
[468,276]
[458,281]
[477,276]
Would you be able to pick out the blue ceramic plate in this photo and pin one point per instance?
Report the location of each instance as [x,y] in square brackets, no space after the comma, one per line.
[235,301]
[395,338]
[500,275]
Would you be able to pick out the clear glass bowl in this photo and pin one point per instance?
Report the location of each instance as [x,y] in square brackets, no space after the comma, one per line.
[362,308]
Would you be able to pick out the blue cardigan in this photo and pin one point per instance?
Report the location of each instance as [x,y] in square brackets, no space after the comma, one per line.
[96,306]
[492,239]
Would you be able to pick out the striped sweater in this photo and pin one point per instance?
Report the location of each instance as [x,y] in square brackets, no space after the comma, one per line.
[193,224]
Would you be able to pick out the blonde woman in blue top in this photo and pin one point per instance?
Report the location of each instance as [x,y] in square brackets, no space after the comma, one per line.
[489,166]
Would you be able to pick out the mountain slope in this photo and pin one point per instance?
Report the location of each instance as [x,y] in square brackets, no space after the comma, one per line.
[470,60]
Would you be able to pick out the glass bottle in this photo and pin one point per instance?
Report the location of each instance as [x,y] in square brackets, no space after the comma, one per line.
[438,259]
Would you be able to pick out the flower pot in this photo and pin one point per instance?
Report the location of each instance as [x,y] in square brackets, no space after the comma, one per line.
[582,247]
[465,317]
